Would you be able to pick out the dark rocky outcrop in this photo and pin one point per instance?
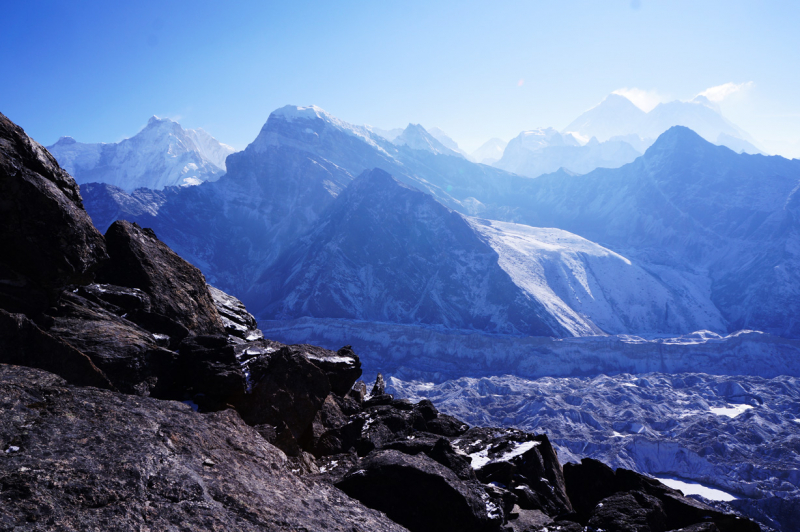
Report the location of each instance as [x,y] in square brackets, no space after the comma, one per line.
[87,459]
[420,493]
[47,240]
[210,372]
[591,483]
[177,289]
[632,511]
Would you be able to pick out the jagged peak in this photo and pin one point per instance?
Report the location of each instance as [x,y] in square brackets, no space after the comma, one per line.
[65,141]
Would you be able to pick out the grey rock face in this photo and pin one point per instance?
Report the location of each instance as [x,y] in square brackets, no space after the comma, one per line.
[128,354]
[82,458]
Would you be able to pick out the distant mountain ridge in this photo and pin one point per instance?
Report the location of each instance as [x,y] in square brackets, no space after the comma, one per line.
[545,150]
[617,116]
[162,154]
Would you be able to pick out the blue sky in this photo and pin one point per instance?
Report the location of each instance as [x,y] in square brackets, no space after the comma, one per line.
[97,71]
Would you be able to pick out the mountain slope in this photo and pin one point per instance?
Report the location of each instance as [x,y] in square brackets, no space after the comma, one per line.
[162,154]
[587,286]
[446,141]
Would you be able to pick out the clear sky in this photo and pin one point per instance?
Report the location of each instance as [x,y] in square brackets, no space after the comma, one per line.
[98,70]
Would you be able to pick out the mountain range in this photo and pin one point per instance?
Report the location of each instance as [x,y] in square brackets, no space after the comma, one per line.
[689,236]
[162,154]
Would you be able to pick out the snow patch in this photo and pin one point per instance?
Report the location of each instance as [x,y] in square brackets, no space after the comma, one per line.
[730,411]
[694,488]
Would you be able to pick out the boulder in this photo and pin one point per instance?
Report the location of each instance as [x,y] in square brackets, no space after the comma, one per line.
[420,493]
[332,431]
[47,240]
[631,511]
[135,306]
[445,425]
[177,289]
[90,459]
[521,520]
[288,390]
[342,367]
[515,458]
[589,482]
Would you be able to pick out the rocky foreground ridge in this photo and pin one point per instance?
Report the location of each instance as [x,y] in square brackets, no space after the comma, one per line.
[136,397]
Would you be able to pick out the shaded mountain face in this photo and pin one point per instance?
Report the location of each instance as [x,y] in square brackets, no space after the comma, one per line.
[387,252]
[543,151]
[234,227]
[616,116]
[162,154]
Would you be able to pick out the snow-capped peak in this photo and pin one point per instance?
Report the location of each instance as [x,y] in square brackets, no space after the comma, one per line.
[161,154]
[296,114]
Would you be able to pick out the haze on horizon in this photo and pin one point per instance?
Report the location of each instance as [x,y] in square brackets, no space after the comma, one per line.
[97,71]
